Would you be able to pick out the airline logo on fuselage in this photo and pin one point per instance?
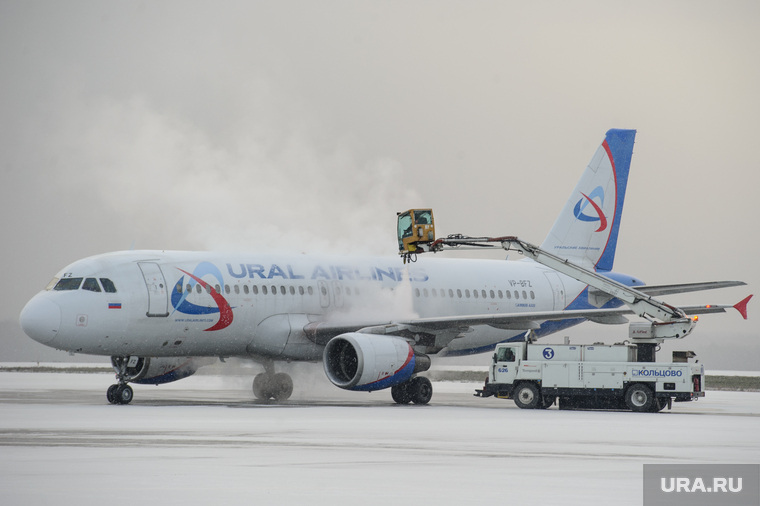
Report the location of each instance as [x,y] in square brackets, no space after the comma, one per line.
[596,213]
[179,294]
[181,304]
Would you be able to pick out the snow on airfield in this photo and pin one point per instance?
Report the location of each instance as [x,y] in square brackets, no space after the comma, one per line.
[201,440]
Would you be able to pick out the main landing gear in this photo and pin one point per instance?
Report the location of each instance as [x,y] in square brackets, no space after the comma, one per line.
[418,390]
[120,393]
[271,386]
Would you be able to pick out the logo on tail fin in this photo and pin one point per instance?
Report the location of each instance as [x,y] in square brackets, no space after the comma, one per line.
[583,203]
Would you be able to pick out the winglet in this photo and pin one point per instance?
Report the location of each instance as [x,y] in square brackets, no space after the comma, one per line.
[741,306]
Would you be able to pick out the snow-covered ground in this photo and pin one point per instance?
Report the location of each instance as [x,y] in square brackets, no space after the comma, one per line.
[201,440]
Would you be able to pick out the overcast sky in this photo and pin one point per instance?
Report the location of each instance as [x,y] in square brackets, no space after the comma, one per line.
[306,125]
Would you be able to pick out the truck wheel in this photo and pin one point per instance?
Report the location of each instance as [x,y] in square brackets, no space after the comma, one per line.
[526,396]
[639,398]
[660,404]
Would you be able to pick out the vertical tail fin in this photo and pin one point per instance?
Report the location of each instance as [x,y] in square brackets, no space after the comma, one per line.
[586,231]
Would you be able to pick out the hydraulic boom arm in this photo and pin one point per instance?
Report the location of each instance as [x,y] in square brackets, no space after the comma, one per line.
[673,322]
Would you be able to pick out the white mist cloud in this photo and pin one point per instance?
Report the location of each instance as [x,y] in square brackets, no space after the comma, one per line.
[264,188]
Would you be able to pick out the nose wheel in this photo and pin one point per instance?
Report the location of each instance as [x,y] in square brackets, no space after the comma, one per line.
[119,394]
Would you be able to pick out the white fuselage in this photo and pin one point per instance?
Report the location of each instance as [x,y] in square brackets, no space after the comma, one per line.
[217,304]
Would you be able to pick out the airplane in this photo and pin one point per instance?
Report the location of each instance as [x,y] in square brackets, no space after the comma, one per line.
[374,322]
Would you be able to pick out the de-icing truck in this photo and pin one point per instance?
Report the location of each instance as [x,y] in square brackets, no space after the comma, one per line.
[594,376]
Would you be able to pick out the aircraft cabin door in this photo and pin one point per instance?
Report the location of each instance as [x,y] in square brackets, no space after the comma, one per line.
[158,297]
[558,290]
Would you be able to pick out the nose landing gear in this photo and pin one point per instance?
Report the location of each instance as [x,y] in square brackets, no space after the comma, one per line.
[121,393]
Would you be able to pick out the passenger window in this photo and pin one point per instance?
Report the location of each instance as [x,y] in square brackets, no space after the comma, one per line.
[509,294]
[108,285]
[310,290]
[451,293]
[459,293]
[483,292]
[475,294]
[264,289]
[501,295]
[198,288]
[274,290]
[68,284]
[416,292]
[517,294]
[245,289]
[292,290]
[255,289]
[188,288]
[532,295]
[300,290]
[227,289]
[467,293]
[525,295]
[425,292]
[237,289]
[91,284]
[218,289]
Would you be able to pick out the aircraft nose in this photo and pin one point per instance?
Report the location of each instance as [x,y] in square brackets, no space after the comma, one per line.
[41,319]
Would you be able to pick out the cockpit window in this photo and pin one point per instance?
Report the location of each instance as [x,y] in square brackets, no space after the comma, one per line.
[68,284]
[91,284]
[52,283]
[108,285]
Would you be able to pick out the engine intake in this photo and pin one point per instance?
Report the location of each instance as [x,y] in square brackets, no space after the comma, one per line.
[368,362]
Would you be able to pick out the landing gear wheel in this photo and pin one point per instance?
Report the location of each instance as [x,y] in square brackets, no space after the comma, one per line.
[527,396]
[639,398]
[422,390]
[261,386]
[400,393]
[281,386]
[278,387]
[111,394]
[120,394]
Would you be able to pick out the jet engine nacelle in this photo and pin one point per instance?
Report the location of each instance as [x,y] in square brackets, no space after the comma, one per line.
[370,362]
[155,371]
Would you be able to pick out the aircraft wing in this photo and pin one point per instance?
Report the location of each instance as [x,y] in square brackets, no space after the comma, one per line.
[656,290]
[322,332]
